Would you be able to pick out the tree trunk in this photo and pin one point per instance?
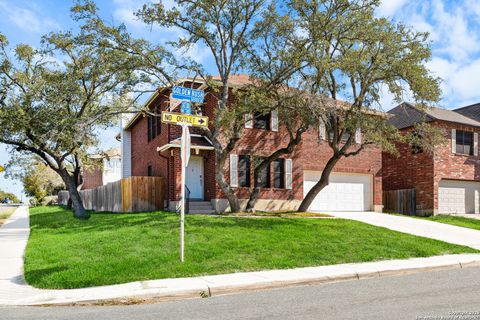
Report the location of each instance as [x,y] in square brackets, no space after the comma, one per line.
[79,211]
[252,199]
[322,183]
[231,196]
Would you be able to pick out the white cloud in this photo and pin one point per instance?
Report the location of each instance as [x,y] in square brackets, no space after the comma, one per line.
[418,22]
[454,30]
[27,19]
[125,12]
[126,9]
[442,68]
[458,39]
[128,17]
[464,82]
[389,7]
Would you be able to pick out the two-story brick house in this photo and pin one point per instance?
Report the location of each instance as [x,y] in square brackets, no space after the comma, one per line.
[447,181]
[355,185]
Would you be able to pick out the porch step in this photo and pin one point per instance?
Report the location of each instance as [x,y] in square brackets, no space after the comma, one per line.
[202,207]
[199,211]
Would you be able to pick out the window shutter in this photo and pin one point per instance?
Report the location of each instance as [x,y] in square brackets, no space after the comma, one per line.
[454,141]
[288,174]
[475,144]
[274,120]
[358,135]
[322,131]
[248,120]
[234,170]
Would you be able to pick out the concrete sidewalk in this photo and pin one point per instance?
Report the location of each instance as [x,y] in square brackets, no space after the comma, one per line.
[419,227]
[14,291]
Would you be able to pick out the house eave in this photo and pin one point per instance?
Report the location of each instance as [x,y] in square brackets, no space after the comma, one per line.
[167,146]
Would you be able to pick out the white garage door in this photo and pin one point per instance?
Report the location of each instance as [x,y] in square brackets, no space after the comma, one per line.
[346,192]
[458,196]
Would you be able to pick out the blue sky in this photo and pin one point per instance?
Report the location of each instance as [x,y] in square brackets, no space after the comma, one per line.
[454,28]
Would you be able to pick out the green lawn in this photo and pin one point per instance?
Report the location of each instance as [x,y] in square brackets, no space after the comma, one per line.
[456,221]
[116,248]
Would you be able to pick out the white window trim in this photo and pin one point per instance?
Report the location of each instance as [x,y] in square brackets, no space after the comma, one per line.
[288,174]
[274,120]
[233,170]
[454,141]
[475,144]
[248,117]
[358,135]
[322,130]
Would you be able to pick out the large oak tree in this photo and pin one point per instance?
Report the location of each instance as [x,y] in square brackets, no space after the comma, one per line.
[54,98]
[355,56]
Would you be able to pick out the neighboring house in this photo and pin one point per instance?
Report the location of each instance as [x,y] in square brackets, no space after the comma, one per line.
[447,181]
[107,168]
[356,184]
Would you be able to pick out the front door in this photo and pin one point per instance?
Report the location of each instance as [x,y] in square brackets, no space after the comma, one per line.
[194,177]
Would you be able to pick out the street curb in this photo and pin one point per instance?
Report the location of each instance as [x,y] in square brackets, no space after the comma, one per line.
[208,286]
[14,291]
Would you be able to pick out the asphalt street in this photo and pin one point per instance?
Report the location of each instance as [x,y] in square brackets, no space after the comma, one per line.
[448,294]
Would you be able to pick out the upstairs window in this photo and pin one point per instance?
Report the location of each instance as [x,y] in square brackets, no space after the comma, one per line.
[159,121]
[261,120]
[263,178]
[149,128]
[345,136]
[279,173]
[244,171]
[464,142]
[154,125]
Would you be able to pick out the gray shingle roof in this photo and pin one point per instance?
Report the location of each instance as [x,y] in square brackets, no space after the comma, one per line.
[472,111]
[406,115]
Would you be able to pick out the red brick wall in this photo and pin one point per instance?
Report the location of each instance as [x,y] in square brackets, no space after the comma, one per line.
[424,172]
[409,171]
[144,153]
[309,155]
[453,166]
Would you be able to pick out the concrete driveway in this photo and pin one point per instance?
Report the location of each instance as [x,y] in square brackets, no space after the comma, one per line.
[423,228]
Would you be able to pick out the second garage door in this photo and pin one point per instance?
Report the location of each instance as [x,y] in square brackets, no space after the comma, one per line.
[346,192]
[458,196]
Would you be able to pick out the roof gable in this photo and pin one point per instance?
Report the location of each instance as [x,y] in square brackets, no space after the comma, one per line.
[407,115]
[471,111]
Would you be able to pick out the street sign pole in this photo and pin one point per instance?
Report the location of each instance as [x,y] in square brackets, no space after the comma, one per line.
[185,155]
[185,97]
[182,204]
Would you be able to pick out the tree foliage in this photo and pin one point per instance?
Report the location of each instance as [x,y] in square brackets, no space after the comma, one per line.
[315,62]
[10,196]
[318,63]
[39,180]
[224,28]
[354,55]
[53,98]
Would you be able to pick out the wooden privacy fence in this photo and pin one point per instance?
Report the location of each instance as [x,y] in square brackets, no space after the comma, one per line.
[400,201]
[134,194]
